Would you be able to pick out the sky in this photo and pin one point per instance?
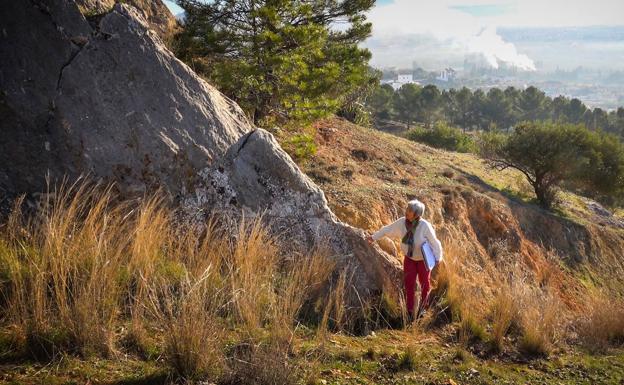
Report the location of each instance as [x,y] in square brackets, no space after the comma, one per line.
[433,33]
[437,33]
[173,7]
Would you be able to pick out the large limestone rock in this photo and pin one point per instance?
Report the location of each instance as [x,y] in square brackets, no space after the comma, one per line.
[256,177]
[109,100]
[106,97]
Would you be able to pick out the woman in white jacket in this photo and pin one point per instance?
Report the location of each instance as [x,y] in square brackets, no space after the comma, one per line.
[413,231]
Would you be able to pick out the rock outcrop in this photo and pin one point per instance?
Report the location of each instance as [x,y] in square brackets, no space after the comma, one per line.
[257,177]
[107,99]
[155,12]
[104,96]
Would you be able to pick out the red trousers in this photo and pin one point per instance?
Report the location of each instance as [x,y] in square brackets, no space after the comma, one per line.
[411,270]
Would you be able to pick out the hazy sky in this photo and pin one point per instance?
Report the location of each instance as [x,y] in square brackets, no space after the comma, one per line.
[438,31]
[520,13]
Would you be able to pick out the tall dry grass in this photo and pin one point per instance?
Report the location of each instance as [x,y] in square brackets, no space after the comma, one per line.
[64,269]
[224,300]
[602,324]
[489,298]
[504,311]
[86,264]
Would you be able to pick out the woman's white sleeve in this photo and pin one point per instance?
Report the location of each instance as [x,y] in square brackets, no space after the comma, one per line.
[392,230]
[435,243]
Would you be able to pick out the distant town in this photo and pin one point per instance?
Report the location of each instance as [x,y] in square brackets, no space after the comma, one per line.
[596,88]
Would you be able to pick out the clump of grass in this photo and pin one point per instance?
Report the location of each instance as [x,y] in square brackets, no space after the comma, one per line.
[262,363]
[64,264]
[471,329]
[334,311]
[603,325]
[370,353]
[461,355]
[346,355]
[540,318]
[458,298]
[503,314]
[408,359]
[193,333]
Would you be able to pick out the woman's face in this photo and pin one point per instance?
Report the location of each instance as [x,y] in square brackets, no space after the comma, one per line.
[409,214]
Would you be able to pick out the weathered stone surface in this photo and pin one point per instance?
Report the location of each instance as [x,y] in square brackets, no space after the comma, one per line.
[110,101]
[155,12]
[256,177]
[107,98]
[35,44]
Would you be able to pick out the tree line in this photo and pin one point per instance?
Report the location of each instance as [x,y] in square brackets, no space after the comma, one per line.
[554,142]
[487,110]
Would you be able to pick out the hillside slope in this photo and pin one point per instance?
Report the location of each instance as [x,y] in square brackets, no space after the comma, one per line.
[368,175]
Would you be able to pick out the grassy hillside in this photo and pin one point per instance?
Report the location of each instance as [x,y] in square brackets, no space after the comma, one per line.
[368,176]
[105,292]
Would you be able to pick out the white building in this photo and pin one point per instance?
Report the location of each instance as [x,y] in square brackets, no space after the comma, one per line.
[400,81]
[406,78]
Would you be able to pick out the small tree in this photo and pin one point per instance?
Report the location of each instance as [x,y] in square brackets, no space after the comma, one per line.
[407,103]
[380,102]
[546,153]
[604,176]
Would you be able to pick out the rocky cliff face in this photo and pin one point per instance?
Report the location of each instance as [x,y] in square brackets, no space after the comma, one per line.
[104,96]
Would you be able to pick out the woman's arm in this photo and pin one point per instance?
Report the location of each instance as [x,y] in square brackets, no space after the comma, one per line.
[435,243]
[393,230]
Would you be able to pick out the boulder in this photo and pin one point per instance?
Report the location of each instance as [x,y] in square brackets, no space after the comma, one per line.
[257,177]
[105,97]
[110,101]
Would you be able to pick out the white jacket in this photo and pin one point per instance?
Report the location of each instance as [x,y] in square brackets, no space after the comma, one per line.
[424,231]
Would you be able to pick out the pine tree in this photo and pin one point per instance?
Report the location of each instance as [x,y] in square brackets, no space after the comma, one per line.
[279,58]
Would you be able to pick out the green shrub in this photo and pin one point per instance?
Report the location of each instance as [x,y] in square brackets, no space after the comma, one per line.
[553,155]
[443,136]
[301,147]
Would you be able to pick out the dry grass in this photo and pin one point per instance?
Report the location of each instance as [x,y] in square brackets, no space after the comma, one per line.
[224,301]
[64,270]
[193,331]
[504,311]
[542,320]
[87,263]
[488,299]
[603,324]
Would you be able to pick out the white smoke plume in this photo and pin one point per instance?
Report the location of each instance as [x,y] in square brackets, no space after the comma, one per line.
[408,30]
[495,50]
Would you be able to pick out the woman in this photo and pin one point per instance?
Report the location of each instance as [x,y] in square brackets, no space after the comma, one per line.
[413,232]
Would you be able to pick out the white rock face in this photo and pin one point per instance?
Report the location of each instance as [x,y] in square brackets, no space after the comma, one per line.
[256,177]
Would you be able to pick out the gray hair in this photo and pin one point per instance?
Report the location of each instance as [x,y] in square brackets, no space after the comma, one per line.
[417,207]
